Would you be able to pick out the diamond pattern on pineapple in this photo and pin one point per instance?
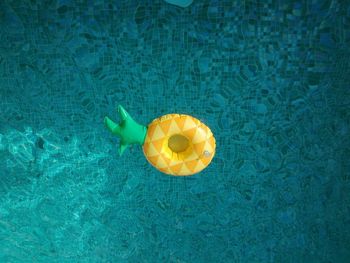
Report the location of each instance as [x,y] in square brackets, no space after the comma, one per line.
[192,160]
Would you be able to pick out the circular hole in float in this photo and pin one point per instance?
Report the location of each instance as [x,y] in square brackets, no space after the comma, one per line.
[178,143]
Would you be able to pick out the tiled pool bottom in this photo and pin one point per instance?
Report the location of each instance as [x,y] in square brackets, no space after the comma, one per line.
[271,79]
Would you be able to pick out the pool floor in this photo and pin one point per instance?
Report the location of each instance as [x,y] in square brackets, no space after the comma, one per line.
[271,80]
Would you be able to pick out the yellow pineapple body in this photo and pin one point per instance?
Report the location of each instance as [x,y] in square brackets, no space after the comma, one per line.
[179,144]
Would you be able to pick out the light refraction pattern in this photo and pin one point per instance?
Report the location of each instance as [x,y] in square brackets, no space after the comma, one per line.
[271,80]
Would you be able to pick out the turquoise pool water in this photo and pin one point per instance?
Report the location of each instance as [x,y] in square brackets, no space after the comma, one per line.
[270,78]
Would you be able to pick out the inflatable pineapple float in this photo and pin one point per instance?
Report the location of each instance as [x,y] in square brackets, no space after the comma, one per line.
[175,144]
